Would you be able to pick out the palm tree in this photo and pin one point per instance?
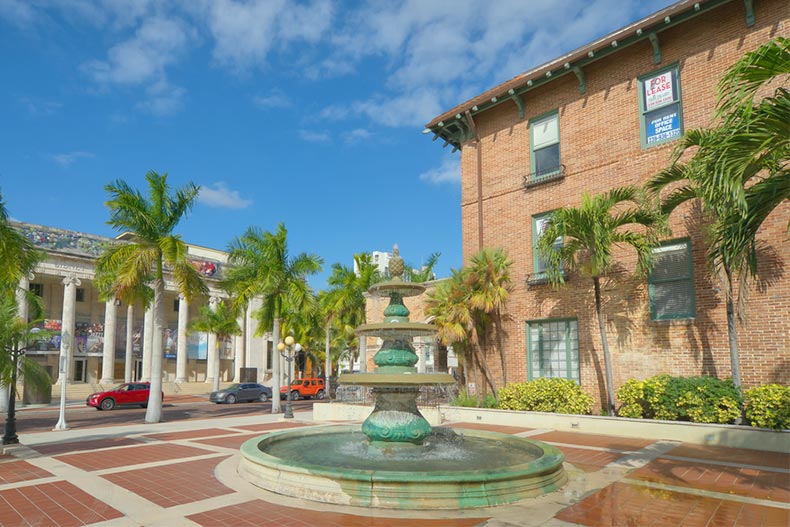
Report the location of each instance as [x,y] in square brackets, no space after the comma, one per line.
[18,254]
[425,273]
[590,233]
[738,173]
[261,266]
[16,334]
[142,261]
[220,322]
[490,272]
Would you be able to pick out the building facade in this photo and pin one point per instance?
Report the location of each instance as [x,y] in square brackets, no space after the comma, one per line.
[107,342]
[606,115]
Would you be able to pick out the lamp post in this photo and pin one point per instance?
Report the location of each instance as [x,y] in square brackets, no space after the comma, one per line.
[9,435]
[287,350]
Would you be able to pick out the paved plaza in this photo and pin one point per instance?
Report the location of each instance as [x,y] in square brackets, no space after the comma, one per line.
[183,473]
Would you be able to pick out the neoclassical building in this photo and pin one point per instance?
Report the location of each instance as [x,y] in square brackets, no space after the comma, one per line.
[106,342]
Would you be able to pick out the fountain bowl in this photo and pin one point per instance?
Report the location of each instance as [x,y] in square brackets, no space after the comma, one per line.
[454,469]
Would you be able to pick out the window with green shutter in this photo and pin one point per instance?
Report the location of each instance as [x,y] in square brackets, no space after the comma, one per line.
[553,348]
[660,106]
[539,223]
[544,140]
[671,282]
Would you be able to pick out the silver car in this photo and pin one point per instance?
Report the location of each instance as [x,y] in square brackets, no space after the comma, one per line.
[239,392]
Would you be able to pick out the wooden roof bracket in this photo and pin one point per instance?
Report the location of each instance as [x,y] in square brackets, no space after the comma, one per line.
[656,47]
[519,102]
[582,80]
[749,12]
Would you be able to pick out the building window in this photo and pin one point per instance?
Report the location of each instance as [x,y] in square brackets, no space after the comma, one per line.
[671,283]
[539,223]
[544,140]
[175,305]
[80,294]
[553,349]
[660,107]
[37,289]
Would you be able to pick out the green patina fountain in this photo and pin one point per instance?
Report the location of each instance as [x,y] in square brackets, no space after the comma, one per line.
[397,460]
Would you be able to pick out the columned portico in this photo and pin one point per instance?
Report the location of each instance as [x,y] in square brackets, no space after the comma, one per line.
[181,349]
[238,346]
[70,284]
[108,351]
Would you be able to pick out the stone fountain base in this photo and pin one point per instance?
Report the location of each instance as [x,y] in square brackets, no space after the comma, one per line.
[458,469]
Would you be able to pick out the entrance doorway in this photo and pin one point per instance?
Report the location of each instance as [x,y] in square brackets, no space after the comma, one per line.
[138,369]
[80,368]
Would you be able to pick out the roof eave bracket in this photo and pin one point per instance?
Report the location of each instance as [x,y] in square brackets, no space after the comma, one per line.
[656,48]
[582,80]
[519,103]
[749,12]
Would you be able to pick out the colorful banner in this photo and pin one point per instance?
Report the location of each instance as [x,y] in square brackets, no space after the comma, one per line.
[662,124]
[659,90]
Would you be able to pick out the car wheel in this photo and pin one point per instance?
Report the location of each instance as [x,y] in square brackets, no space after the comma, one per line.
[262,397]
[144,405]
[230,399]
[107,404]
[320,394]
[295,395]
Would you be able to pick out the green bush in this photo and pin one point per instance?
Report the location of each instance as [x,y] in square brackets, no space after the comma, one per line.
[545,395]
[768,406]
[696,399]
[467,400]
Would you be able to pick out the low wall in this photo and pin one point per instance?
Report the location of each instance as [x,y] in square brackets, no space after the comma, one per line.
[697,433]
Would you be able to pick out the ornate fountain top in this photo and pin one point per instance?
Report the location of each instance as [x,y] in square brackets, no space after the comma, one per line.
[396,264]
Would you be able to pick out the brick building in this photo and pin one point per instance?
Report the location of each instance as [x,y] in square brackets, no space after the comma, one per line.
[606,115]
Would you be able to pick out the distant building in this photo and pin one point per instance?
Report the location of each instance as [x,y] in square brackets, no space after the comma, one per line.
[605,115]
[380,259]
[73,310]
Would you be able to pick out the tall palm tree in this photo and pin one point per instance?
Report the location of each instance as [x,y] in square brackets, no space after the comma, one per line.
[590,233]
[738,173]
[153,247]
[425,272]
[220,322]
[490,273]
[262,267]
[16,334]
[17,253]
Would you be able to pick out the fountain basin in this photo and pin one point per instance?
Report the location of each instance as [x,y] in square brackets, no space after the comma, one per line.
[336,464]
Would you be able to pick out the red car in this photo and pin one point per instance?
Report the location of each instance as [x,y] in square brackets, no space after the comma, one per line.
[128,393]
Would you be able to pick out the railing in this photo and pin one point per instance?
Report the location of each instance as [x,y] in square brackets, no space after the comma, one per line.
[544,176]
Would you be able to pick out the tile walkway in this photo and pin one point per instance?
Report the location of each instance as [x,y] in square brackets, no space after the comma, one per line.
[184,474]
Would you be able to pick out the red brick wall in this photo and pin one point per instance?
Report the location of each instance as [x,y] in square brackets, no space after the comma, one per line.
[600,146]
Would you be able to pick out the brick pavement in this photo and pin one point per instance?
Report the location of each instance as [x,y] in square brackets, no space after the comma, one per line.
[183,473]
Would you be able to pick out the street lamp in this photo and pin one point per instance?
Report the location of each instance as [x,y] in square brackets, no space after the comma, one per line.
[10,437]
[287,350]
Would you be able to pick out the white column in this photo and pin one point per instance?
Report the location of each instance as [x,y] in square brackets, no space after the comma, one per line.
[68,320]
[108,352]
[420,345]
[363,353]
[148,342]
[212,356]
[181,353]
[238,348]
[128,358]
[21,296]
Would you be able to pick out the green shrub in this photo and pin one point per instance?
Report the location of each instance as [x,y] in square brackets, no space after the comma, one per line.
[545,395]
[696,399]
[465,399]
[768,406]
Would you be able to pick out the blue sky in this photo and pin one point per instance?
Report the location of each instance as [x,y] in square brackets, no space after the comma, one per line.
[302,112]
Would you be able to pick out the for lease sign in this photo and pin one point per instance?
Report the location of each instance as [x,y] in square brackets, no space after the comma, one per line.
[658,90]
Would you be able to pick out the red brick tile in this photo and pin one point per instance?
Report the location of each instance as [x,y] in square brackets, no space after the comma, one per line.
[228,442]
[733,455]
[601,441]
[51,449]
[189,434]
[265,427]
[121,457]
[58,504]
[19,470]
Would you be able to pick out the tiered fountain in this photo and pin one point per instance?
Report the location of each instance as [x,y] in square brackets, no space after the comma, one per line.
[397,460]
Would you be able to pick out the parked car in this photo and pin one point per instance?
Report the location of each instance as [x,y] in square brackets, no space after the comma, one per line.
[126,394]
[304,388]
[246,391]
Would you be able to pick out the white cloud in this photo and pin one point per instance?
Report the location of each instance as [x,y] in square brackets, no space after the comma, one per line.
[244,33]
[67,159]
[273,100]
[314,137]
[19,12]
[448,172]
[357,135]
[218,195]
[163,99]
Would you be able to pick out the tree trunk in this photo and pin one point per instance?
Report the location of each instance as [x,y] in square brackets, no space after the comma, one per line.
[607,361]
[275,366]
[732,331]
[154,412]
[501,345]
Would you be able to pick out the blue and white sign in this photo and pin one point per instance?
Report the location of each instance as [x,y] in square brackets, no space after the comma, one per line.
[662,124]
